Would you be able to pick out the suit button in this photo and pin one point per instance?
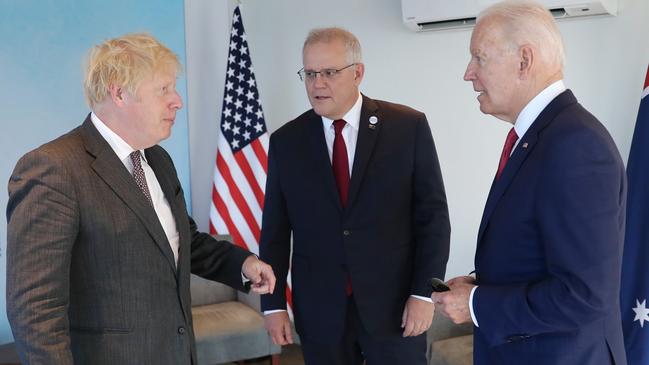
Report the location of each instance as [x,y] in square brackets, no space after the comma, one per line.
[346,232]
[181,330]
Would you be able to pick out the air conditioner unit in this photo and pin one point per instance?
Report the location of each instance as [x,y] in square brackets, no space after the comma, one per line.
[424,15]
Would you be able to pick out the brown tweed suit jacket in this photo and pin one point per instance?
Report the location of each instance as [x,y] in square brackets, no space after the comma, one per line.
[91,278]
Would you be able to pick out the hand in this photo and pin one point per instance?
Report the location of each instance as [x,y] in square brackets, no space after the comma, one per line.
[461,279]
[455,303]
[260,275]
[417,317]
[279,328]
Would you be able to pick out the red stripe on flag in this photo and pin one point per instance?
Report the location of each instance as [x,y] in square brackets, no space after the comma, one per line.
[242,161]
[261,154]
[225,214]
[646,80]
[238,198]
[212,229]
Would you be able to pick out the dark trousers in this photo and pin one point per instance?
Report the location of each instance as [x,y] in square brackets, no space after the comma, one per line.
[357,345]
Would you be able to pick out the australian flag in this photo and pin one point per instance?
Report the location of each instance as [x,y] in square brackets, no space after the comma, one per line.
[635,269]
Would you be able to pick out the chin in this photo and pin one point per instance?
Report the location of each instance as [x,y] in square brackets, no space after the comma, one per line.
[320,111]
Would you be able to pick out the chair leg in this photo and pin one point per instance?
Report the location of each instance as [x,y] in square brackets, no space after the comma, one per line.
[274,359]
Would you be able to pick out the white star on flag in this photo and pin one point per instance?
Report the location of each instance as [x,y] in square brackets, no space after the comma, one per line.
[641,312]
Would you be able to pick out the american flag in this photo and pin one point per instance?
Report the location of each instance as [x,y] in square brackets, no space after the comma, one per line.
[242,152]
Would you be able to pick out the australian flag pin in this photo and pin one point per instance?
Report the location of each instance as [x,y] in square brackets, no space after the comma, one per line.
[373,121]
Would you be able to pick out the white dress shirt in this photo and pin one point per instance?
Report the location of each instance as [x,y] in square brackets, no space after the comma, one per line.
[349,132]
[524,121]
[160,203]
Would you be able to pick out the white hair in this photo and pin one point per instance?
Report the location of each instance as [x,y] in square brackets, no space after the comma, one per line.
[328,35]
[528,22]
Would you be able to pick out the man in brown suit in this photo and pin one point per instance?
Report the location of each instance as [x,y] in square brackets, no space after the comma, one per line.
[100,246]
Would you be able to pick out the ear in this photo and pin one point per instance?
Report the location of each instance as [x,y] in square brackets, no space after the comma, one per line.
[359,72]
[527,59]
[117,95]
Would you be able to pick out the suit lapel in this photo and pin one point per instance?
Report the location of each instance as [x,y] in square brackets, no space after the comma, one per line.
[318,151]
[518,157]
[112,171]
[367,137]
[168,185]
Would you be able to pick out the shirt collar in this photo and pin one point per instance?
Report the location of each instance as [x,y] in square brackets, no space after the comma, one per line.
[528,115]
[352,117]
[121,148]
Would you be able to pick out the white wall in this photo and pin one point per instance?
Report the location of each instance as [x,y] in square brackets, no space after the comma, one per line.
[607,59]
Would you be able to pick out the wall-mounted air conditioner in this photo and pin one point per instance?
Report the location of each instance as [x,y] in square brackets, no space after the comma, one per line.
[423,15]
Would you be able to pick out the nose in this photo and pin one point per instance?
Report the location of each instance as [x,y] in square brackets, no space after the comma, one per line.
[469,74]
[319,80]
[176,101]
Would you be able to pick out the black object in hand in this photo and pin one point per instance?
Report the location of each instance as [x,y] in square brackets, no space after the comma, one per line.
[438,285]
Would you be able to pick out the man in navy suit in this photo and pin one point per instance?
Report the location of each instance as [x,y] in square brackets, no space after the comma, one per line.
[547,264]
[357,184]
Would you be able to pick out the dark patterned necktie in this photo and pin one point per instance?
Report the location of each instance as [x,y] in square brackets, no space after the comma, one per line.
[138,174]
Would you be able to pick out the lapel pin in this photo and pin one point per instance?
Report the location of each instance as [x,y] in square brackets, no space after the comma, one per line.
[525,145]
[373,121]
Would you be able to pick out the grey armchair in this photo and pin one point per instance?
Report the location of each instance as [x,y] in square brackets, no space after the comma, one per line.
[228,325]
[448,343]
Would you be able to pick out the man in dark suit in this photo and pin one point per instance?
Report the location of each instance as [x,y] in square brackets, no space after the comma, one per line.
[100,246]
[357,184]
[547,264]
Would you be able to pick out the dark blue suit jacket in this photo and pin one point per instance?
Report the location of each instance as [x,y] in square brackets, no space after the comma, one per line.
[391,238]
[550,244]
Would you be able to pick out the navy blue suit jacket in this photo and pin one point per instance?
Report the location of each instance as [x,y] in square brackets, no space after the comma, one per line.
[550,244]
[391,238]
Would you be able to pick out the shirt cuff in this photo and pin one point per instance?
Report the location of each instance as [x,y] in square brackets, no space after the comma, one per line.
[273,311]
[473,318]
[426,299]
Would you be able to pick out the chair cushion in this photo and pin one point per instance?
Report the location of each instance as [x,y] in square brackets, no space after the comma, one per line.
[230,331]
[205,291]
[454,350]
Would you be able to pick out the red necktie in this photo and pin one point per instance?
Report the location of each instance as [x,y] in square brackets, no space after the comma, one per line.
[507,151]
[340,165]
[340,162]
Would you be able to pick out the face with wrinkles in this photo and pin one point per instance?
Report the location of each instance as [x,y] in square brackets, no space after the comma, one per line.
[494,70]
[152,111]
[331,97]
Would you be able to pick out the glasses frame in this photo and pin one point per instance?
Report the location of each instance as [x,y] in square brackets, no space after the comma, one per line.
[327,73]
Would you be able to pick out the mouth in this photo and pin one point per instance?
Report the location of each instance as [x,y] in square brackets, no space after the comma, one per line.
[321,98]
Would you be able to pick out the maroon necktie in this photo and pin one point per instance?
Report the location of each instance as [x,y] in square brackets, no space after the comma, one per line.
[138,174]
[507,151]
[340,162]
[340,165]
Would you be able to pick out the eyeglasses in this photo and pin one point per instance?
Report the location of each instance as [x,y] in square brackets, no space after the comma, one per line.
[328,73]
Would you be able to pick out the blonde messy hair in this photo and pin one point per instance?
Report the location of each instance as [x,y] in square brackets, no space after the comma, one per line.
[125,61]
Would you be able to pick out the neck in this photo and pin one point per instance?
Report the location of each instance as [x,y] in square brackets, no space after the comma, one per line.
[111,118]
